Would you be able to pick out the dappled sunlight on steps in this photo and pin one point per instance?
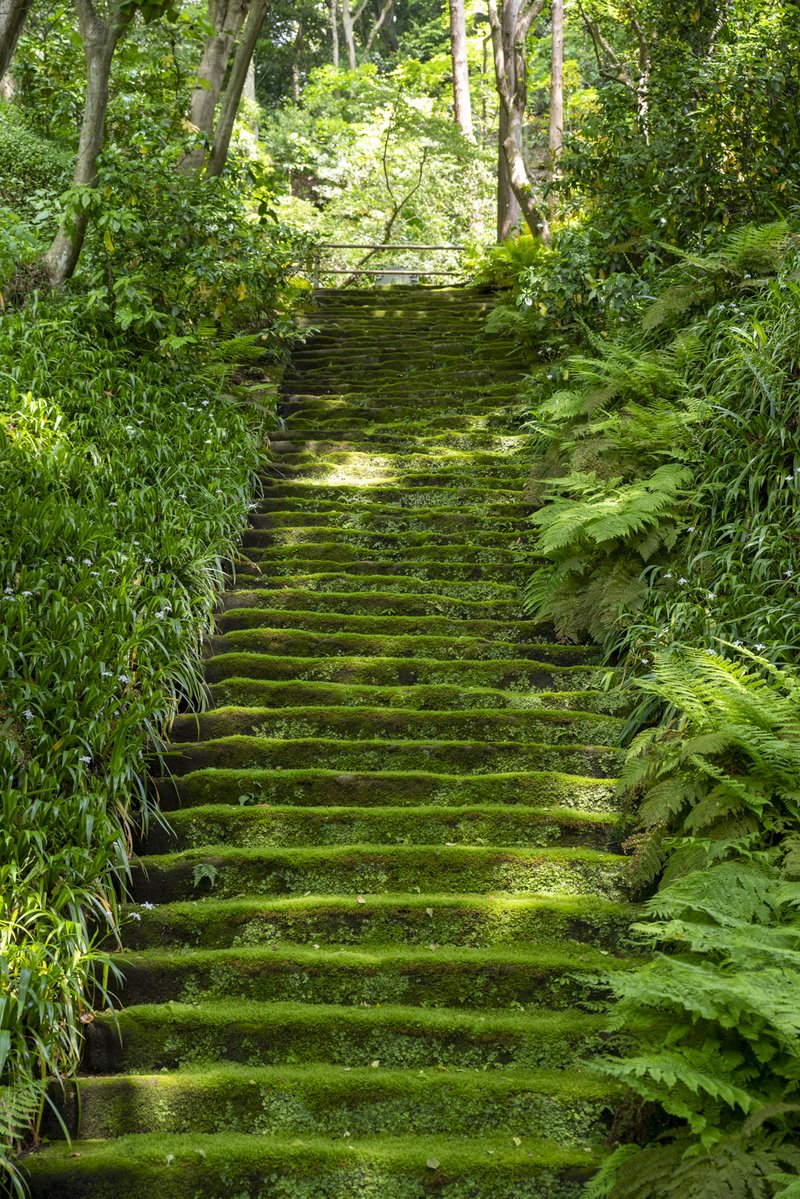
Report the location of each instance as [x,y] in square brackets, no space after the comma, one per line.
[364,962]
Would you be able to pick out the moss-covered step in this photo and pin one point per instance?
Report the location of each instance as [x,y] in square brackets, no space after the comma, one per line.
[168,1166]
[509,632]
[385,602]
[446,757]
[400,441]
[359,870]
[276,695]
[509,674]
[538,726]
[432,497]
[382,920]
[430,976]
[250,573]
[254,825]
[382,518]
[333,551]
[174,1035]
[317,1101]
[316,643]
[352,546]
[315,787]
[344,583]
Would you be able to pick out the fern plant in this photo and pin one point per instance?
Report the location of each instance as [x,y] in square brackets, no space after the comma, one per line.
[716,1009]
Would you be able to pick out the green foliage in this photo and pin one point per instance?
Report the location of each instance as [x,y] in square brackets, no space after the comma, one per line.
[717,795]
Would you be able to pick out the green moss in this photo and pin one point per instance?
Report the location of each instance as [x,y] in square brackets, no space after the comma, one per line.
[235,1166]
[447,757]
[269,825]
[174,1035]
[368,788]
[429,975]
[384,920]
[276,695]
[313,644]
[314,1100]
[510,674]
[369,869]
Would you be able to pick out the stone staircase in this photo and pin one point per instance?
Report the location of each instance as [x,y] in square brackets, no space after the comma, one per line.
[363,963]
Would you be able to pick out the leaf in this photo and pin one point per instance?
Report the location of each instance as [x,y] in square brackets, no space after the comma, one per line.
[432,1163]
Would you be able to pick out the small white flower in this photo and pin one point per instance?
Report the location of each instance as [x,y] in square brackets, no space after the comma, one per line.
[160,615]
[27,593]
[105,674]
[9,591]
[123,678]
[692,529]
[70,559]
[668,575]
[789,478]
[737,643]
[148,907]
[787,574]
[112,503]
[147,561]
[682,580]
[759,646]
[135,916]
[134,543]
[84,758]
[28,714]
[711,595]
[645,660]
[88,562]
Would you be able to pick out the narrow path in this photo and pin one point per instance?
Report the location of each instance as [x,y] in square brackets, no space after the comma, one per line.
[360,970]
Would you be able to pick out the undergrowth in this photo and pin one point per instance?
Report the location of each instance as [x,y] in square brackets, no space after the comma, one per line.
[132,427]
[666,478]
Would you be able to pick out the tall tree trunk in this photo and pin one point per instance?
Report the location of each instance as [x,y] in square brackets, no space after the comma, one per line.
[13,15]
[509,37]
[556,136]
[298,54]
[387,30]
[334,4]
[227,17]
[233,92]
[349,35]
[508,209]
[458,51]
[100,40]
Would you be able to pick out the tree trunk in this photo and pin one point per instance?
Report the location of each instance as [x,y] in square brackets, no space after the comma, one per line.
[508,209]
[249,94]
[298,54]
[13,15]
[233,92]
[227,17]
[458,51]
[335,32]
[100,40]
[509,36]
[556,137]
[349,35]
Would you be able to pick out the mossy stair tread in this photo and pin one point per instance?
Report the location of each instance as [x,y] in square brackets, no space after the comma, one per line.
[318,787]
[169,1166]
[455,919]
[535,724]
[313,1100]
[422,697]
[390,892]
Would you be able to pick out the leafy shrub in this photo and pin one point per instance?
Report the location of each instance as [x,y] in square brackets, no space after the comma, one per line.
[129,476]
[703,391]
[717,788]
[29,163]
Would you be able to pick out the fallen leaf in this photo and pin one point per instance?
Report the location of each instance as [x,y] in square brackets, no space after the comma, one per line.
[429,911]
[432,1163]
[361,899]
[376,1063]
[516,1141]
